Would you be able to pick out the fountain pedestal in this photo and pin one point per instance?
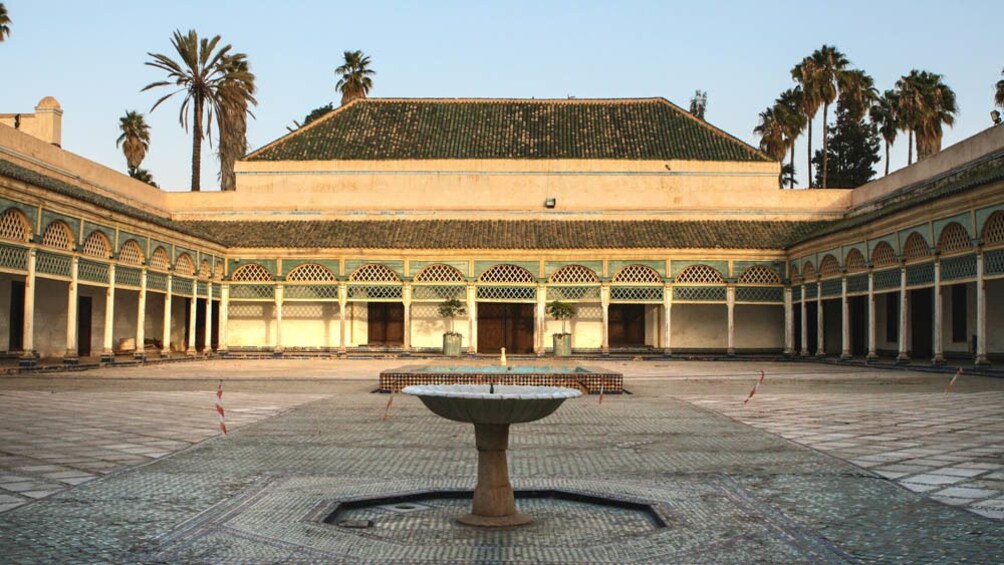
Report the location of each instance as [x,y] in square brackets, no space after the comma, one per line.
[492,410]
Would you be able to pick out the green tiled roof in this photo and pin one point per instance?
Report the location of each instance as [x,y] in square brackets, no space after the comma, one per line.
[632,129]
[506,234]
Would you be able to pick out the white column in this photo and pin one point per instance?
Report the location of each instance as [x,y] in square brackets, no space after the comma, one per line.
[343,305]
[605,306]
[939,316]
[872,348]
[789,323]
[406,300]
[71,355]
[208,348]
[730,303]
[845,321]
[192,304]
[278,319]
[28,354]
[981,313]
[224,316]
[820,322]
[165,349]
[667,320]
[904,303]
[141,317]
[472,318]
[805,324]
[540,327]
[107,349]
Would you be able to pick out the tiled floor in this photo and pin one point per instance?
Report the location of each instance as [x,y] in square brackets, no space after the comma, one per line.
[50,441]
[949,446]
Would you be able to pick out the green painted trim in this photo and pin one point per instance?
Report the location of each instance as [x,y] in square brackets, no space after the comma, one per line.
[740,267]
[49,216]
[891,239]
[90,227]
[983,214]
[415,267]
[178,250]
[27,209]
[351,265]
[125,236]
[290,264]
[963,218]
[846,249]
[595,266]
[481,266]
[234,264]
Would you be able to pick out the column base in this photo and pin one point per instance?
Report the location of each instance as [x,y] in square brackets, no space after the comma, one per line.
[139,356]
[517,519]
[804,353]
[902,359]
[820,354]
[846,356]
[938,360]
[871,357]
[277,353]
[982,361]
[190,352]
[667,352]
[605,352]
[28,360]
[71,360]
[789,353]
[107,358]
[731,352]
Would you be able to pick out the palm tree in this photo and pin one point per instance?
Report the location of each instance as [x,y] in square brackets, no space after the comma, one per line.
[999,96]
[142,175]
[926,103]
[857,93]
[804,74]
[884,114]
[135,138]
[910,99]
[235,93]
[198,75]
[788,109]
[4,23]
[355,81]
[830,66]
[771,132]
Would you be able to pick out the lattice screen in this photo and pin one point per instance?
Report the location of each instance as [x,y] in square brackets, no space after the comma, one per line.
[374,292]
[571,274]
[920,274]
[638,274]
[184,265]
[883,255]
[440,273]
[182,286]
[993,230]
[993,262]
[833,287]
[699,293]
[310,272]
[159,260]
[857,283]
[890,278]
[218,270]
[131,253]
[97,245]
[13,257]
[14,225]
[961,267]
[574,293]
[954,239]
[310,292]
[156,281]
[252,292]
[127,276]
[92,271]
[808,271]
[53,264]
[205,271]
[761,294]
[252,272]
[811,291]
[829,266]
[374,273]
[916,247]
[758,274]
[58,236]
[507,293]
[438,292]
[700,274]
[856,261]
[636,294]
[507,274]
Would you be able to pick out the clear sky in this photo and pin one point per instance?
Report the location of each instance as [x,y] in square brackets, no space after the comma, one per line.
[90,56]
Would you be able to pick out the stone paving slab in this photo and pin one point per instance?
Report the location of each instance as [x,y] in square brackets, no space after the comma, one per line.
[796,505]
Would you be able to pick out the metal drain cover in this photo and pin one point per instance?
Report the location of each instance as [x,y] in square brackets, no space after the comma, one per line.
[404,507]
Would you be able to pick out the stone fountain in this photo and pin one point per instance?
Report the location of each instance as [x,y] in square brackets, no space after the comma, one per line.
[492,409]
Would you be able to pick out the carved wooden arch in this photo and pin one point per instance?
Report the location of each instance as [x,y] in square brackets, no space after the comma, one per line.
[374,272]
[252,272]
[573,274]
[440,272]
[312,272]
[15,226]
[130,252]
[993,230]
[829,266]
[97,245]
[916,248]
[58,235]
[883,255]
[954,238]
[184,265]
[855,261]
[159,259]
[507,273]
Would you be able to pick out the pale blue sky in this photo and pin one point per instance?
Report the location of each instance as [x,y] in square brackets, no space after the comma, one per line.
[90,56]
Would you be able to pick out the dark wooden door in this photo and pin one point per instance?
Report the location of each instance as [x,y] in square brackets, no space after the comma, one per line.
[921,323]
[200,324]
[386,323]
[812,319]
[626,325]
[505,325]
[84,326]
[859,325]
[215,339]
[16,341]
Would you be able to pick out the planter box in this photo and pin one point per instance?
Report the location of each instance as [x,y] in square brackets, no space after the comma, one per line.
[452,344]
[562,345]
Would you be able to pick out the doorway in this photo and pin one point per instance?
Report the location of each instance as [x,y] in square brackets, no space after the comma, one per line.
[626,325]
[16,341]
[859,325]
[922,323]
[200,324]
[84,326]
[505,325]
[812,319]
[385,321]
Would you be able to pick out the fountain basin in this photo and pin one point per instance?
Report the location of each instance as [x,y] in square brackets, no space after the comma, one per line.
[591,380]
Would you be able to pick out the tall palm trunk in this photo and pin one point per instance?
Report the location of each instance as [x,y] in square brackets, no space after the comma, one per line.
[791,181]
[909,148]
[197,145]
[886,158]
[826,157]
[809,164]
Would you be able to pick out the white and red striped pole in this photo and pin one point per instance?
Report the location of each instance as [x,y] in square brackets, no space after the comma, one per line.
[601,391]
[755,387]
[219,407]
[390,401]
[955,378]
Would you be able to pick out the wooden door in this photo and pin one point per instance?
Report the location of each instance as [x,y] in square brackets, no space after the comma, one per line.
[859,325]
[200,324]
[505,325]
[83,326]
[385,321]
[16,341]
[921,323]
[626,325]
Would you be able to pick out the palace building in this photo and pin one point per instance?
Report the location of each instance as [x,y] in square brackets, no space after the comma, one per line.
[669,235]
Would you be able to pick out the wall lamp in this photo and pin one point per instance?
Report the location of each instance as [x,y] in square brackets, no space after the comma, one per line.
[550,203]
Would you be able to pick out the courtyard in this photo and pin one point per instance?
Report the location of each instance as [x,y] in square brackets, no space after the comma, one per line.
[826,463]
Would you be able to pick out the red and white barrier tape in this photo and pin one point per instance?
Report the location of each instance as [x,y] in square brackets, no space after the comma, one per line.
[601,392]
[219,408]
[755,387]
[955,378]
[389,402]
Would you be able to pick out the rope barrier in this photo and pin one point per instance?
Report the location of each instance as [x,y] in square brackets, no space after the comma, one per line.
[219,407]
[755,387]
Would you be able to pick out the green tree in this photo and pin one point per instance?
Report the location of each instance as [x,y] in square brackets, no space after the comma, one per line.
[854,149]
[142,175]
[5,22]
[314,114]
[926,103]
[356,76]
[857,93]
[788,109]
[235,94]
[699,104]
[134,139]
[999,96]
[804,74]
[771,132]
[199,74]
[884,114]
[830,65]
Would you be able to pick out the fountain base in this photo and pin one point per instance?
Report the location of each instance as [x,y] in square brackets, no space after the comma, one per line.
[494,504]
[515,519]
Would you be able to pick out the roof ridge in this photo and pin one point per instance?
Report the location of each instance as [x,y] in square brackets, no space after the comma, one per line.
[304,128]
[716,130]
[628,100]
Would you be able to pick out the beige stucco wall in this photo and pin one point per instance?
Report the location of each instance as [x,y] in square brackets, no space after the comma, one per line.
[46,124]
[700,326]
[251,324]
[759,327]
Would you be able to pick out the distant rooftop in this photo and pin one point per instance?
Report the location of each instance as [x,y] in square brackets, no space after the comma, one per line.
[416,128]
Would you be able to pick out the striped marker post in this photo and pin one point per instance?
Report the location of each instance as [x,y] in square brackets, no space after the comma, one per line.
[390,401]
[219,408]
[952,383]
[601,392]
[755,387]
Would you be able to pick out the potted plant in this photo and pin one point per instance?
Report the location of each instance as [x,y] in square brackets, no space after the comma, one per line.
[562,342]
[452,341]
